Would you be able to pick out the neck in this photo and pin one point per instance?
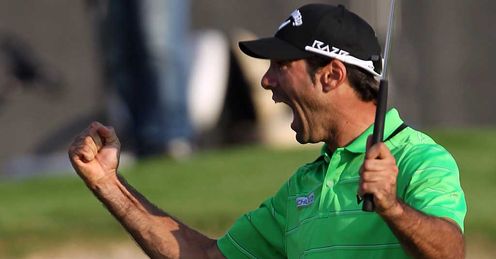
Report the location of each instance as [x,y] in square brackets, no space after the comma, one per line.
[353,120]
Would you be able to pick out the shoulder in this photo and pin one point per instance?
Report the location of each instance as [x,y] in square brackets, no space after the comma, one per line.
[416,149]
[428,173]
[310,169]
[307,177]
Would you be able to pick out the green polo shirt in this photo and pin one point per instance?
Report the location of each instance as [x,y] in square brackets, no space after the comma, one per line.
[315,214]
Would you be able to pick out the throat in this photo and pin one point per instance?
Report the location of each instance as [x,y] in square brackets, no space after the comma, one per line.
[346,132]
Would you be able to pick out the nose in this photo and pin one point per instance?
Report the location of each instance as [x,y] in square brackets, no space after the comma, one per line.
[268,80]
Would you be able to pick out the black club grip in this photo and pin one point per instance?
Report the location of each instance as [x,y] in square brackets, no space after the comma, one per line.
[380,115]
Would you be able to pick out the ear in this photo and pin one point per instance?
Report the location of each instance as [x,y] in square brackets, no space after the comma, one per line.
[333,75]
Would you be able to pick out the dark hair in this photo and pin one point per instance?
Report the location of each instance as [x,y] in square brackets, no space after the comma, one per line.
[363,82]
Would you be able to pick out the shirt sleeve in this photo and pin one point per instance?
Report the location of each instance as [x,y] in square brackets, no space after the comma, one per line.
[259,233]
[434,188]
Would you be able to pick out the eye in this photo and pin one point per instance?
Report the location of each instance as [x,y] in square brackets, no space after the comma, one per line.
[282,65]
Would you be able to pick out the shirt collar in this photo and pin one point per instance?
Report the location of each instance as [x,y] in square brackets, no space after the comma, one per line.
[391,123]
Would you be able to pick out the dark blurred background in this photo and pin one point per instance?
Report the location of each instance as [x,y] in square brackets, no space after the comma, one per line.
[52,82]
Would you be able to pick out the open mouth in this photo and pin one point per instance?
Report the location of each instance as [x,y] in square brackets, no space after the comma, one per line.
[294,122]
[277,98]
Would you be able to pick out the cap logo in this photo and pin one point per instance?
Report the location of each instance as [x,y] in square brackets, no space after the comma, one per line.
[296,19]
[324,47]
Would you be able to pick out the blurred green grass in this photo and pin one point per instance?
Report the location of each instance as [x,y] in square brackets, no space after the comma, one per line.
[208,192]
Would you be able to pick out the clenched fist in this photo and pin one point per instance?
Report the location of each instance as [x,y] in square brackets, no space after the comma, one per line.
[94,154]
[378,177]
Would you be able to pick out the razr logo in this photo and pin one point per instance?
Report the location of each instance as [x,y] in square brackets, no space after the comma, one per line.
[325,47]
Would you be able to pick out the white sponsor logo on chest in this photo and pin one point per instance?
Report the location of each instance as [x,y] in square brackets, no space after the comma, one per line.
[304,201]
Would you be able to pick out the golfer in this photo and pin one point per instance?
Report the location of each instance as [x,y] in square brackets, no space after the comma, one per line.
[325,62]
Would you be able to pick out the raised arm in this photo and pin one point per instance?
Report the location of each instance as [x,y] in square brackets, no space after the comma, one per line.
[94,155]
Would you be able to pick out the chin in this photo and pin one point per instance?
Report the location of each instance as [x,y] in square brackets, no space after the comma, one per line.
[305,139]
[302,139]
[299,138]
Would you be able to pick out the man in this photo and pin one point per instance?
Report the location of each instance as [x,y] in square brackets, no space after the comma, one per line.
[324,60]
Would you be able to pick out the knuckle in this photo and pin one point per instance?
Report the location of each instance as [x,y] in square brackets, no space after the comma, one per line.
[367,188]
[88,140]
[367,164]
[365,176]
[395,170]
[86,150]
[391,160]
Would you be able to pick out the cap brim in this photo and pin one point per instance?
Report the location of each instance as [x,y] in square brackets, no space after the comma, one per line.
[272,48]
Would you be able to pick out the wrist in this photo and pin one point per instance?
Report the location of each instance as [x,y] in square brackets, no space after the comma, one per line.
[394,211]
[103,183]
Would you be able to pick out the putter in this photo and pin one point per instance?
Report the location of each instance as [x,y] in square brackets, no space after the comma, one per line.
[380,113]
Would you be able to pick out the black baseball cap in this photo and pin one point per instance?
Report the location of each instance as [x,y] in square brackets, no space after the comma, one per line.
[321,29]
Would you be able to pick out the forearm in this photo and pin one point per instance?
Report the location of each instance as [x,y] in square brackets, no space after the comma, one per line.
[425,236]
[158,234]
